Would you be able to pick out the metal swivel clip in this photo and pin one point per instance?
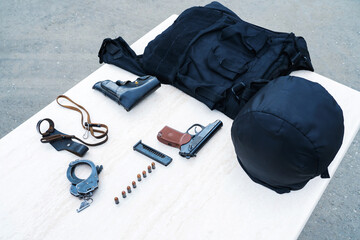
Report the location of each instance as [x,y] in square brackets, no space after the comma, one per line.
[83,188]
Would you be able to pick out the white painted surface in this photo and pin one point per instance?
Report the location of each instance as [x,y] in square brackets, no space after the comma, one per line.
[207,197]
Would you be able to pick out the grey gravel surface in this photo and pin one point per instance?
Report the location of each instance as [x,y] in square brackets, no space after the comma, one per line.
[49,46]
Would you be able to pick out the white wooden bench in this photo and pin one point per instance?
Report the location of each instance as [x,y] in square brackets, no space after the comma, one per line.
[207,197]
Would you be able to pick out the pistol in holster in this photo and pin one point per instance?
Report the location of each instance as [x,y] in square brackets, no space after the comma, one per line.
[189,144]
[128,93]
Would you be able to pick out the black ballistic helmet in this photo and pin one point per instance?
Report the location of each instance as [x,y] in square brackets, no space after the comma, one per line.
[288,133]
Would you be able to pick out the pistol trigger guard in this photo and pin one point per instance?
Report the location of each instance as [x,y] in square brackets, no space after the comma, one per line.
[195,125]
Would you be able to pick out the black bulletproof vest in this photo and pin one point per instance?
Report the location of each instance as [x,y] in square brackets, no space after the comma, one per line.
[214,56]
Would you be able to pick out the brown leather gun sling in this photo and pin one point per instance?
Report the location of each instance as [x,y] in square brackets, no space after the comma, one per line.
[88,126]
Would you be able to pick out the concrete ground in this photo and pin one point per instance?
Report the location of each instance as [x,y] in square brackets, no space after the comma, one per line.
[46,48]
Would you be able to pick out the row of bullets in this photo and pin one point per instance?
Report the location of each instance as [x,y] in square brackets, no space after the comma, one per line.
[128,188]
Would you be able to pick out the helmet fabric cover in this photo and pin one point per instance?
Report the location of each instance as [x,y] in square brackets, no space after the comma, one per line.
[288,133]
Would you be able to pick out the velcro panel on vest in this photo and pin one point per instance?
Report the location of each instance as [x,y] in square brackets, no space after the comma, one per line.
[164,54]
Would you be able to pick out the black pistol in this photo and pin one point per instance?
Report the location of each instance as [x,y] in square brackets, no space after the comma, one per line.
[189,144]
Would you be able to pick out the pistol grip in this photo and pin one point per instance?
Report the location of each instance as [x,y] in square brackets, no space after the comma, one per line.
[172,137]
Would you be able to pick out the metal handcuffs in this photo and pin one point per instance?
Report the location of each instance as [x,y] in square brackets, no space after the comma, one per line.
[83,188]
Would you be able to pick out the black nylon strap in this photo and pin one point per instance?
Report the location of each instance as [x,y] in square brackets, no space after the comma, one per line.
[292,51]
[244,91]
[325,174]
